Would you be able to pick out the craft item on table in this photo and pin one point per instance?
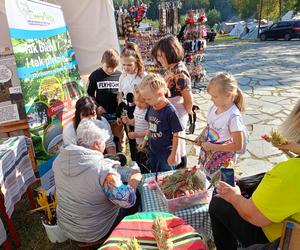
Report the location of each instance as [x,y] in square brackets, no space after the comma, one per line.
[182,182]
[162,234]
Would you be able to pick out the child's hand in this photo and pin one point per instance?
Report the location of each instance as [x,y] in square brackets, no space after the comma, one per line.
[198,141]
[142,145]
[172,160]
[124,119]
[207,146]
[119,121]
[130,121]
[132,135]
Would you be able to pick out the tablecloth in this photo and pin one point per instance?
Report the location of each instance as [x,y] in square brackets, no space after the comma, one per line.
[16,173]
[139,225]
[197,216]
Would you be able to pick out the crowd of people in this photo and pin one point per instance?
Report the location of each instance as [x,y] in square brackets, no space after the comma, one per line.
[152,111]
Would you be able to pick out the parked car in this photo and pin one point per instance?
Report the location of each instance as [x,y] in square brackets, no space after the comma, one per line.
[286,30]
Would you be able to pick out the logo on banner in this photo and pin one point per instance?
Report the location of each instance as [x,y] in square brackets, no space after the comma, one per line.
[36,17]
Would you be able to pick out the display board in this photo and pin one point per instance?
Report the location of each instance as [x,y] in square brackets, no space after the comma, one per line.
[47,70]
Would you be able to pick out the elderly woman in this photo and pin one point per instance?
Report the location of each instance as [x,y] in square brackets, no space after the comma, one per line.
[91,197]
[86,109]
[259,220]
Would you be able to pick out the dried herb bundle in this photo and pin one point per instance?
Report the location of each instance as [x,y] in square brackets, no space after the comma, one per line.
[214,179]
[131,244]
[162,234]
[182,182]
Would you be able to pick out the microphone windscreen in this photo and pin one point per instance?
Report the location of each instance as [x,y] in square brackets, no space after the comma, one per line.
[129,97]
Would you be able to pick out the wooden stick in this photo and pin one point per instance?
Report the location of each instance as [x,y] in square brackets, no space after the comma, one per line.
[183,138]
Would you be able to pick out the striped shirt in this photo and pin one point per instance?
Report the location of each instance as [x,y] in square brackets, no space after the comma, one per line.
[140,124]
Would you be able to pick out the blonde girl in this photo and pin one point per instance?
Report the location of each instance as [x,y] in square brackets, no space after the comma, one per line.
[133,73]
[164,124]
[225,133]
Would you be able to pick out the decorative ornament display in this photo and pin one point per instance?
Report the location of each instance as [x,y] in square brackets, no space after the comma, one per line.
[194,43]
[138,13]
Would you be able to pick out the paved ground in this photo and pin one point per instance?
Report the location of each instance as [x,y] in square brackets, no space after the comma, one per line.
[269,74]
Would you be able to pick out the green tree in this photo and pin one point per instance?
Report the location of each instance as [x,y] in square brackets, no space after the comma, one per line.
[246,8]
[213,16]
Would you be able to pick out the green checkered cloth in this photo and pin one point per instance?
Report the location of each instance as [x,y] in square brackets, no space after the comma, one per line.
[197,216]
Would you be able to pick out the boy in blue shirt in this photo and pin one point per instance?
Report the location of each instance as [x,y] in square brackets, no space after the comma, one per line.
[164,124]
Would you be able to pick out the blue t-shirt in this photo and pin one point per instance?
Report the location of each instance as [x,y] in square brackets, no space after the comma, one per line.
[162,124]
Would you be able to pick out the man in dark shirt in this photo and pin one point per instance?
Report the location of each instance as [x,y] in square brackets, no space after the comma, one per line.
[103,86]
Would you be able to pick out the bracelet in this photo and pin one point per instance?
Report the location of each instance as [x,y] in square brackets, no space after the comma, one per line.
[146,138]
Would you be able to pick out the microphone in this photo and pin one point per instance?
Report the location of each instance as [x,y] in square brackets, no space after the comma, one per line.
[130,105]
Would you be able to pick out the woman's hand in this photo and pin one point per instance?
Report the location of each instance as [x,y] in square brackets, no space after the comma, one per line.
[290,146]
[135,180]
[227,192]
[100,111]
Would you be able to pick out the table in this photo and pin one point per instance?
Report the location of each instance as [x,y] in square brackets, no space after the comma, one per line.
[197,216]
[16,177]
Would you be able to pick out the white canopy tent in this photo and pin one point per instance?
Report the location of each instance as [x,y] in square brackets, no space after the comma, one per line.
[92,27]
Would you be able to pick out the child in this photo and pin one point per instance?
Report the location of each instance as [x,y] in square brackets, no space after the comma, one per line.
[133,73]
[103,86]
[225,134]
[140,130]
[164,124]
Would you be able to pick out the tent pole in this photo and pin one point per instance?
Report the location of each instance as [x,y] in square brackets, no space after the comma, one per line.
[260,11]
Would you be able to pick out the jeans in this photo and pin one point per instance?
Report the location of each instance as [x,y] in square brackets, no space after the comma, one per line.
[229,227]
[158,163]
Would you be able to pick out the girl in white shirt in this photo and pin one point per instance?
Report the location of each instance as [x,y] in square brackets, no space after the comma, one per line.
[133,73]
[225,134]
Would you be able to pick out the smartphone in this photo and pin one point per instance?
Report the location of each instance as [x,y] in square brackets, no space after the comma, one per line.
[227,175]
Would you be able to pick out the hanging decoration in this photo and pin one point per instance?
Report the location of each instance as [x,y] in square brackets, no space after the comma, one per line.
[138,13]
[194,43]
[169,16]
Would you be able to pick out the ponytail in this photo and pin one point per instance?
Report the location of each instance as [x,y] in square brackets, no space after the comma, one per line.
[239,100]
[132,50]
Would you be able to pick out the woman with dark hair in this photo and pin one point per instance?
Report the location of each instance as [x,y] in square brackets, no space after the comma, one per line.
[86,108]
[169,53]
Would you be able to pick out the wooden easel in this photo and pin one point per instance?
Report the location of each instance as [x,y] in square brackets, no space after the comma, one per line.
[20,127]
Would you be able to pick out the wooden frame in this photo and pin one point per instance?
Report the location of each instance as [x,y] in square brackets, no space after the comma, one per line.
[15,128]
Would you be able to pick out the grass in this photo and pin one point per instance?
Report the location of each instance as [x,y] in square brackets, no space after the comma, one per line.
[31,230]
